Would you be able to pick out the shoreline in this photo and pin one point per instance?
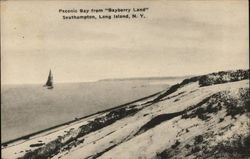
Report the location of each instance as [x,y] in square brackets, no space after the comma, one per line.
[3,144]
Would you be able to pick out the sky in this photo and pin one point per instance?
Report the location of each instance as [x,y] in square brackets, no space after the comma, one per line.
[176,38]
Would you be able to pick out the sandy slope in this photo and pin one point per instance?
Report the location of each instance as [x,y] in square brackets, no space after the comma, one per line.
[203,117]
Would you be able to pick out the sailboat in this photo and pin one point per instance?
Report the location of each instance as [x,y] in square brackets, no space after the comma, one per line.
[49,83]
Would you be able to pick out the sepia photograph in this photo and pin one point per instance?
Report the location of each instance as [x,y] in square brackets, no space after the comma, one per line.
[125,79]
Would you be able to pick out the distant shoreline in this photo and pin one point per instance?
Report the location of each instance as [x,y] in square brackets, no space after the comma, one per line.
[110,79]
[145,78]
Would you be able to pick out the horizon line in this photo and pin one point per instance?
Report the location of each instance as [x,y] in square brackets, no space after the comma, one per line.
[105,79]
